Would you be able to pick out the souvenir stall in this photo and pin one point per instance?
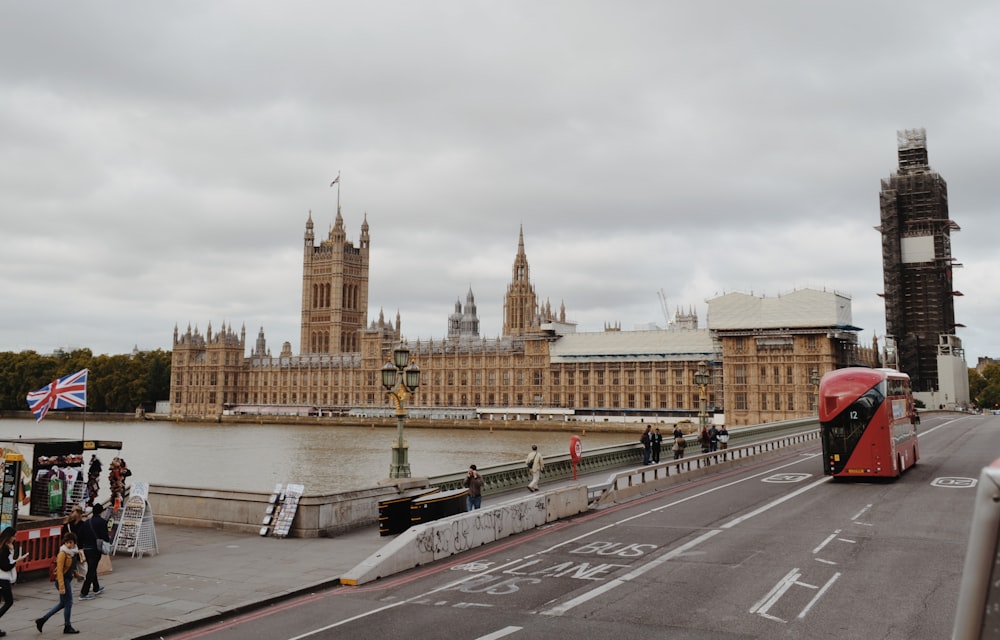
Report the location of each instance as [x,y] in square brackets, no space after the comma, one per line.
[43,479]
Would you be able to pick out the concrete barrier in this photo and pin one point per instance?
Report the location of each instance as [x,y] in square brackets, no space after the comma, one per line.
[317,516]
[426,543]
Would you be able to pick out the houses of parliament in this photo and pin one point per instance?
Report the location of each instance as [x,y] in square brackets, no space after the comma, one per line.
[761,357]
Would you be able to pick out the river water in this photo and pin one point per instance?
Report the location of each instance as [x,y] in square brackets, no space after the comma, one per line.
[326,459]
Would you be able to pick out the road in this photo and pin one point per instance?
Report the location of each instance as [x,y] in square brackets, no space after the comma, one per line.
[771,551]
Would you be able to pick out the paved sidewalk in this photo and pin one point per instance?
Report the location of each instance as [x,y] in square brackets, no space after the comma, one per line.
[197,574]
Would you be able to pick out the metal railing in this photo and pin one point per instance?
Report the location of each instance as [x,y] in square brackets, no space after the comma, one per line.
[658,472]
[513,476]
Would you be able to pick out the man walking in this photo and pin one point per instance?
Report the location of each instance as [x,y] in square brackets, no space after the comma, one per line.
[679,443]
[535,465]
[94,532]
[474,483]
[647,444]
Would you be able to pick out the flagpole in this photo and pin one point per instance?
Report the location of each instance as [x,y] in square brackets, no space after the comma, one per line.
[83,427]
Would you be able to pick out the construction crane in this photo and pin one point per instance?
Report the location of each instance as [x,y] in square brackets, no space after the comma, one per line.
[663,305]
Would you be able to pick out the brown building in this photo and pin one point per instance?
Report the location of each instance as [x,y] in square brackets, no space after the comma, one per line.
[774,351]
[759,364]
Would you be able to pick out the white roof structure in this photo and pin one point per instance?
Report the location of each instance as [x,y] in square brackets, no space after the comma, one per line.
[612,346]
[804,308]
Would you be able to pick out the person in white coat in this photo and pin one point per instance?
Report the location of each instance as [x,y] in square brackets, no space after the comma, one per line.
[535,464]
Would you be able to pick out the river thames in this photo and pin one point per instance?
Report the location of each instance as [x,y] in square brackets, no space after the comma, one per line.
[326,459]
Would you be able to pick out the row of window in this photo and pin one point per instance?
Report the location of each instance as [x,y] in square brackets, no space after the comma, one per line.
[586,400]
[769,402]
[768,375]
[463,378]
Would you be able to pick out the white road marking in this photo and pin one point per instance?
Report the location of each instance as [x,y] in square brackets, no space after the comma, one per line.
[819,594]
[608,586]
[635,573]
[828,540]
[775,594]
[506,631]
[861,513]
[616,523]
[770,505]
[583,598]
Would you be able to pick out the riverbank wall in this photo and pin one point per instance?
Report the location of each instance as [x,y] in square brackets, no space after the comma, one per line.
[541,424]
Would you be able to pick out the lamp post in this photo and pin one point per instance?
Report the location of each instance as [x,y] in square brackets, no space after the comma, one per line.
[400,378]
[701,379]
[814,381]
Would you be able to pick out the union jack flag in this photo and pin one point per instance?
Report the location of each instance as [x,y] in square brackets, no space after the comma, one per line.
[64,393]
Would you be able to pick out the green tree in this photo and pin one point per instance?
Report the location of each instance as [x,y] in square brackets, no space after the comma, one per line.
[976,384]
[117,383]
[987,395]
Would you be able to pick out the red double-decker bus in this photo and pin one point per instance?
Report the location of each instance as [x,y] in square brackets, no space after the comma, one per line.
[868,423]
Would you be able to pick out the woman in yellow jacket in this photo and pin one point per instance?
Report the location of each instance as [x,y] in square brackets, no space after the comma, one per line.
[65,563]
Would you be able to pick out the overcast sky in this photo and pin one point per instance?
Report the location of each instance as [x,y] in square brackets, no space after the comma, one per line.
[159,160]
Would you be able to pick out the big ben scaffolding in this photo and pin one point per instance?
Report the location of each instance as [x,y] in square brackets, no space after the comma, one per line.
[917,263]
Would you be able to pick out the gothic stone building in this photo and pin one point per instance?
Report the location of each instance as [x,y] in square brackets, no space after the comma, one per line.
[760,355]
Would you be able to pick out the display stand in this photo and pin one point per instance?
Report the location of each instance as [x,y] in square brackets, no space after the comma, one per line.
[273,505]
[11,489]
[286,510]
[78,495]
[136,532]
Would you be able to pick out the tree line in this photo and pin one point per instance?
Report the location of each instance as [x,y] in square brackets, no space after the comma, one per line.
[116,383]
[984,388]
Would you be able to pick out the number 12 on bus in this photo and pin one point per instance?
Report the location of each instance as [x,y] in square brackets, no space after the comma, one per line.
[868,423]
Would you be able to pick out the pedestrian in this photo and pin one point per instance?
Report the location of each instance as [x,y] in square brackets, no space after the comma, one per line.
[8,570]
[679,444]
[706,441]
[92,533]
[647,444]
[723,437]
[73,520]
[656,445]
[66,562]
[713,438]
[474,482]
[535,465]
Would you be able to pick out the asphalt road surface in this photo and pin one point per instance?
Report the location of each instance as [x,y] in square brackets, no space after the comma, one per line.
[772,551]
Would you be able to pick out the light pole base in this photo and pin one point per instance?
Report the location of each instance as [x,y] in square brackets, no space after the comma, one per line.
[400,467]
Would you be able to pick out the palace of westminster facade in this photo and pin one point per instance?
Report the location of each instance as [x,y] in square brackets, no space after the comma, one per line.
[763,356]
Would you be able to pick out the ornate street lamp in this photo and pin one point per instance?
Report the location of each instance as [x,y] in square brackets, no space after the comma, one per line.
[701,379]
[400,378]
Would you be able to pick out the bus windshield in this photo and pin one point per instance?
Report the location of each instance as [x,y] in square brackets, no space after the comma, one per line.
[841,434]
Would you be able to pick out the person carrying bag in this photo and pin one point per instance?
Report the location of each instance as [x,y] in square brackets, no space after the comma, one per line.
[98,544]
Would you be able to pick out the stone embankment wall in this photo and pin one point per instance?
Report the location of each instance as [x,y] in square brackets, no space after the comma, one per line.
[317,515]
[543,424]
